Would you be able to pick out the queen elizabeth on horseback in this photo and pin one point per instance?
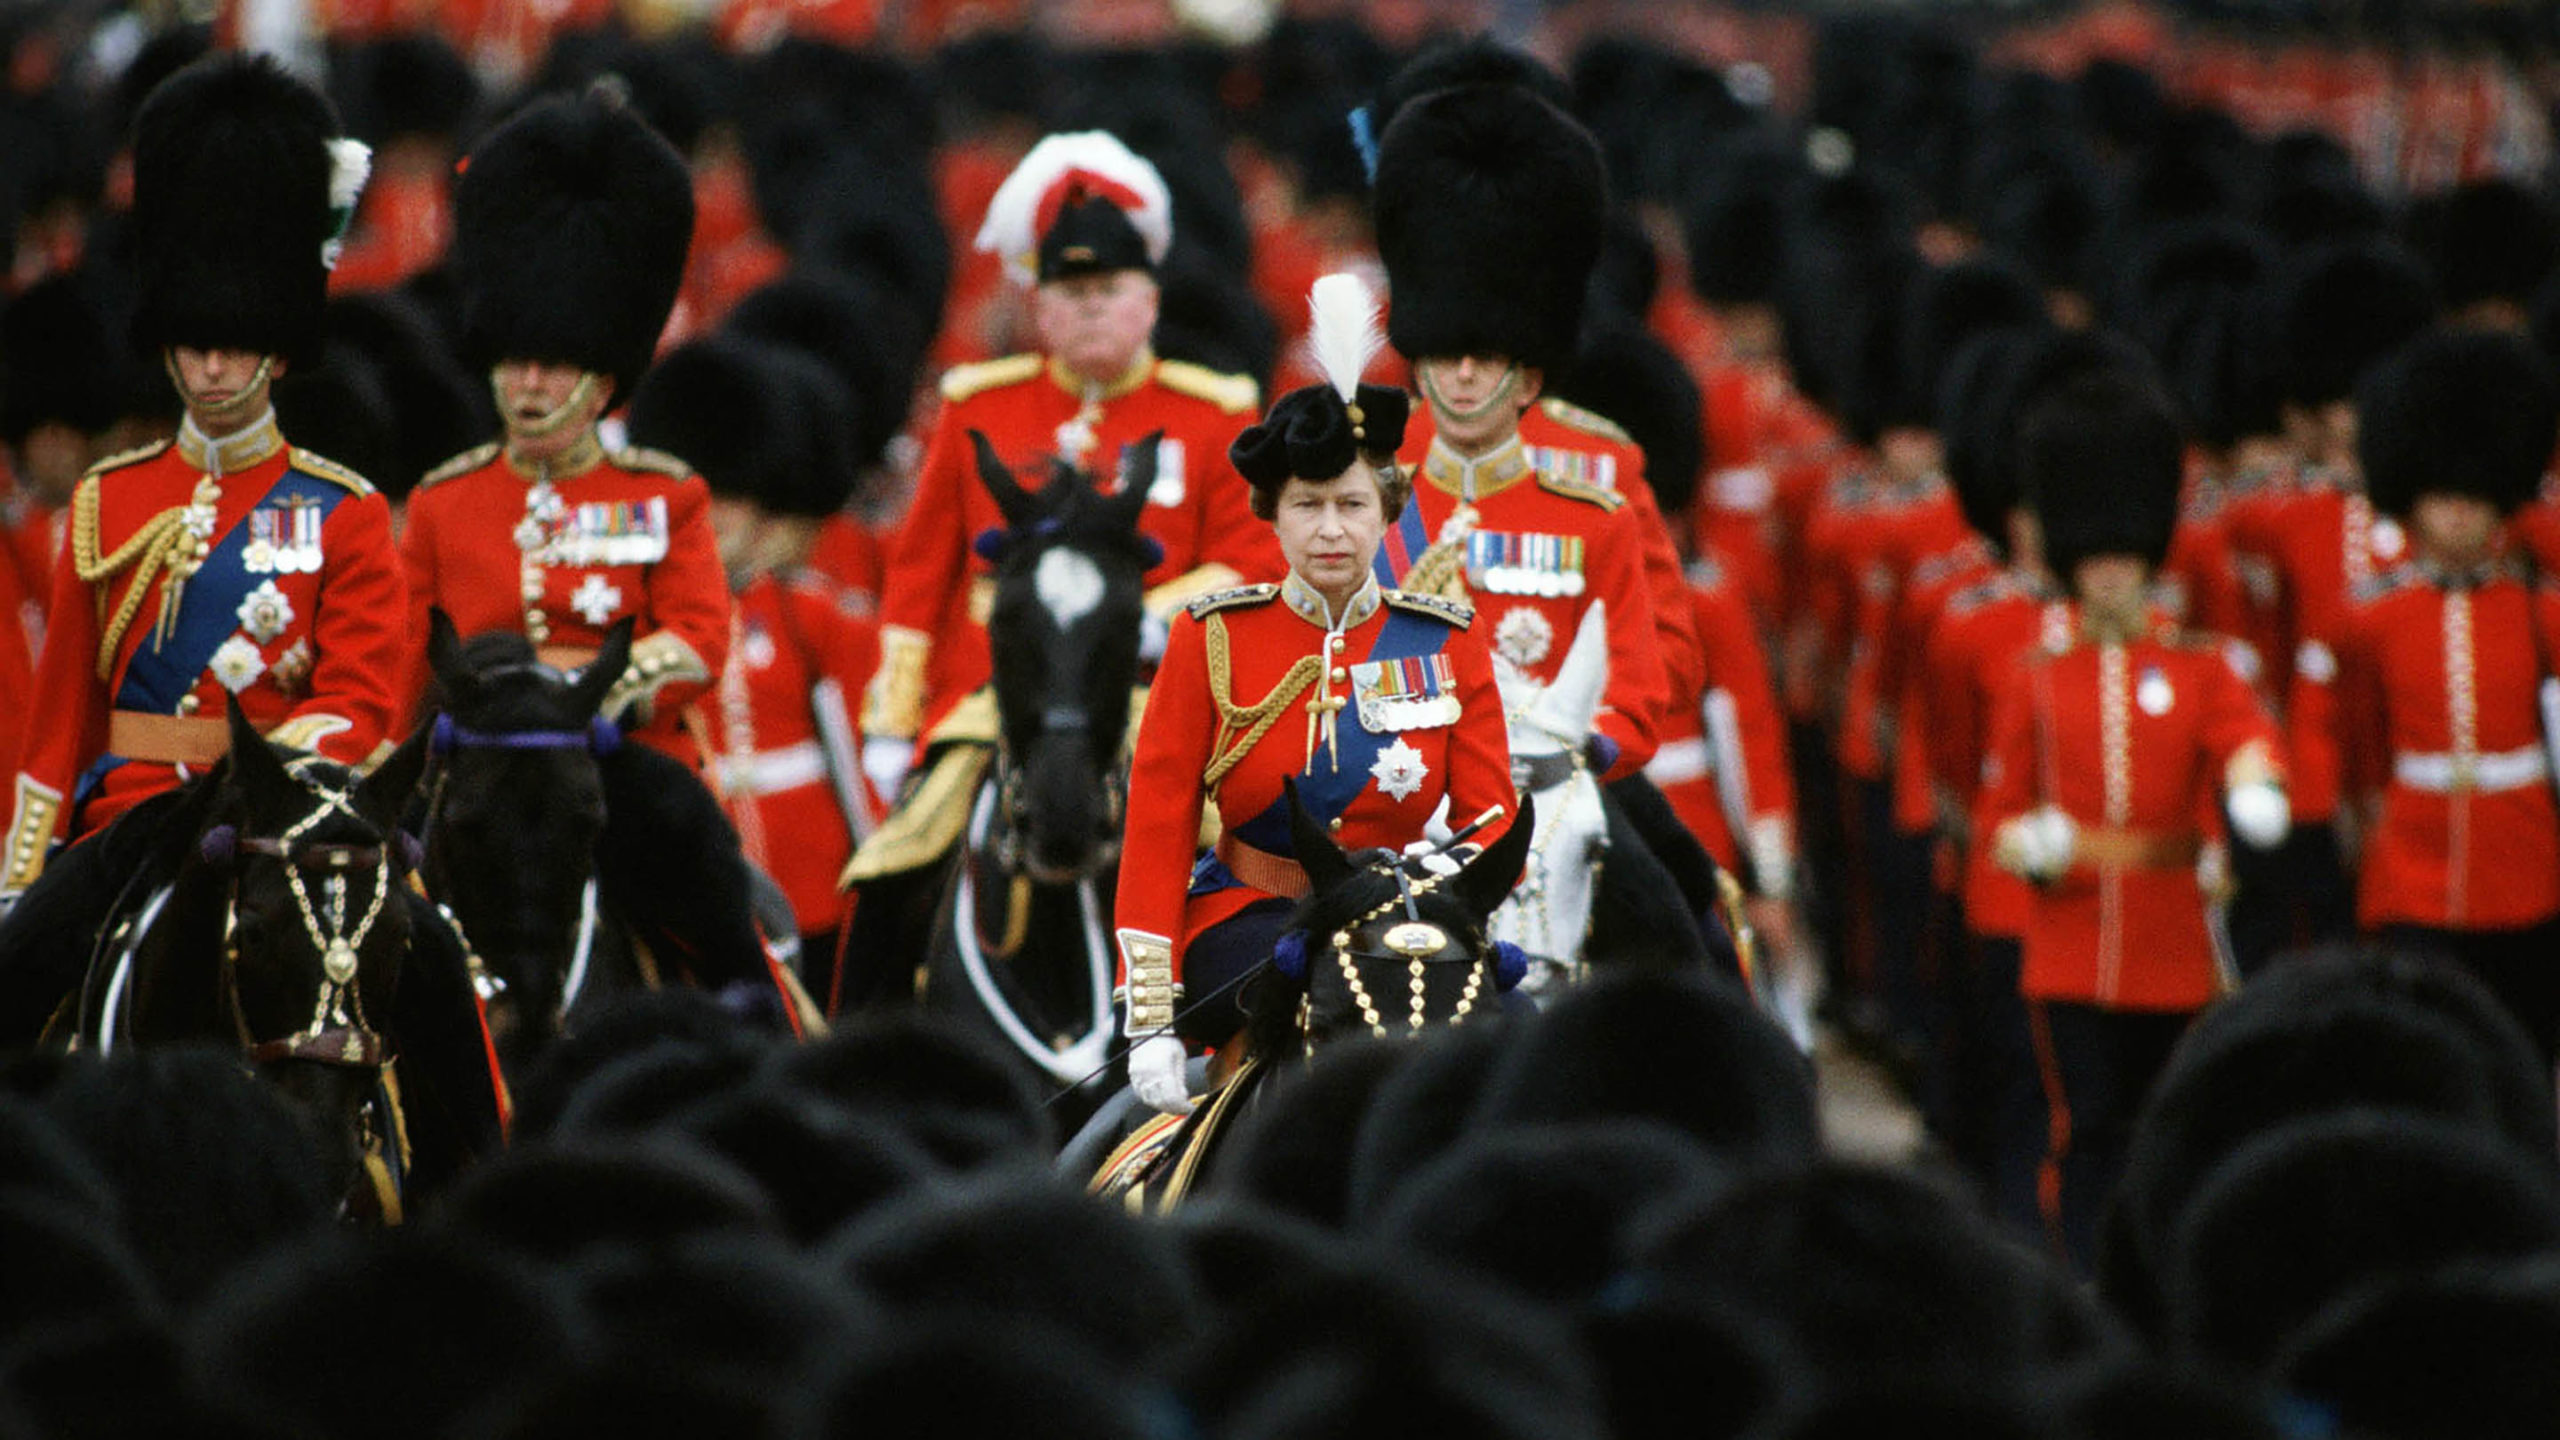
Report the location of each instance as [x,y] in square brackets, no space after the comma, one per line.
[1381,705]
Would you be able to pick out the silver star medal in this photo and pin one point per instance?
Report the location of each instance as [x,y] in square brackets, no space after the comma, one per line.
[542,508]
[237,664]
[1399,770]
[596,600]
[266,613]
[1524,637]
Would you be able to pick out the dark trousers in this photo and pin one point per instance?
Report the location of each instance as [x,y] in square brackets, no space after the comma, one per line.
[1993,1108]
[2295,895]
[1897,872]
[2520,967]
[2095,1065]
[1217,960]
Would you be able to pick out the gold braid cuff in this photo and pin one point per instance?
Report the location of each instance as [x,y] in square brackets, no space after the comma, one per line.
[152,548]
[658,659]
[1181,590]
[1150,989]
[30,835]
[1255,720]
[893,703]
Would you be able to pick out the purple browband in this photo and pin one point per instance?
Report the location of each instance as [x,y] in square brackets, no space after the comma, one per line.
[601,736]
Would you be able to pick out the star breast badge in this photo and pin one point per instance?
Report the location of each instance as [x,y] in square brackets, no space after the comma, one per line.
[596,600]
[1399,770]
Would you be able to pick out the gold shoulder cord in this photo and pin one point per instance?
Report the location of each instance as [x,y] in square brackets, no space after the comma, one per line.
[1254,720]
[1440,568]
[146,552]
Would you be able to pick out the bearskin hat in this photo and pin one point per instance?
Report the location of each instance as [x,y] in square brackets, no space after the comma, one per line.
[2457,412]
[570,227]
[753,420]
[2101,461]
[1943,308]
[2341,309]
[1625,373]
[407,85]
[2194,301]
[2494,240]
[240,187]
[1474,60]
[1489,204]
[59,362]
[1735,218]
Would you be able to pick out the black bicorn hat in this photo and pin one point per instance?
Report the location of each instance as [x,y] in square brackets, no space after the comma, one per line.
[241,185]
[1489,208]
[571,223]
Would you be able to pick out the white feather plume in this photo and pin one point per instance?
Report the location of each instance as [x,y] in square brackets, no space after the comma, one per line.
[1343,334]
[1011,230]
[350,165]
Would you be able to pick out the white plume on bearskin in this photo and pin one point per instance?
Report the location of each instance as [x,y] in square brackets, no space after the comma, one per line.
[1343,333]
[1012,224]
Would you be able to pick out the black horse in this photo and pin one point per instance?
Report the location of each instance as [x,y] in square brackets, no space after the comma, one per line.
[1375,950]
[266,906]
[1018,930]
[577,864]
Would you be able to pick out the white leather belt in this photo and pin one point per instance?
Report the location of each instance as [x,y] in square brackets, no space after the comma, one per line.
[1675,761]
[770,772]
[2439,772]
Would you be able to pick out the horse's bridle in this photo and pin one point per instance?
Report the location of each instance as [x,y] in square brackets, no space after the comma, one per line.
[1416,941]
[1054,720]
[339,1032]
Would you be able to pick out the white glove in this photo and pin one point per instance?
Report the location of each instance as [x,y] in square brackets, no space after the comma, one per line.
[2036,845]
[1151,637]
[2260,815]
[885,759]
[1432,858]
[1156,1074]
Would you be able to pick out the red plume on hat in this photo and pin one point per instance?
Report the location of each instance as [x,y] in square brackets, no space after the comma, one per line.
[1083,178]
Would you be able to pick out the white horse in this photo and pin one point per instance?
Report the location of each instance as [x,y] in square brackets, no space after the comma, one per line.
[1549,912]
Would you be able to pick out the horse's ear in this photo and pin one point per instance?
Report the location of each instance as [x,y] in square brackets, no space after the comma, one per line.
[253,762]
[444,654]
[612,658]
[1324,862]
[1488,878]
[1138,464]
[1014,505]
[384,794]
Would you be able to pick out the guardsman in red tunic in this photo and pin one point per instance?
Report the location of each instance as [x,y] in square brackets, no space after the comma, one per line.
[1084,223]
[1380,705]
[2108,756]
[765,426]
[227,564]
[1488,201]
[2338,316]
[571,222]
[2446,681]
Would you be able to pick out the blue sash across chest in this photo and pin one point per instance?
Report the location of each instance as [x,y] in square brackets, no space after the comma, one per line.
[1335,778]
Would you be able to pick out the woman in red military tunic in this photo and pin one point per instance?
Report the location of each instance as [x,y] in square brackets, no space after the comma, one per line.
[1379,705]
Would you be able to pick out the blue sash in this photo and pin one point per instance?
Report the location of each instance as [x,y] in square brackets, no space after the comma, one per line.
[1403,542]
[208,614]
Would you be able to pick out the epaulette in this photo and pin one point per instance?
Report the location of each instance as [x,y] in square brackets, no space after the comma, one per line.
[1589,422]
[976,378]
[1976,595]
[122,458]
[1575,488]
[1232,598]
[652,462]
[322,467]
[475,458]
[2383,582]
[1233,394]
[1458,614]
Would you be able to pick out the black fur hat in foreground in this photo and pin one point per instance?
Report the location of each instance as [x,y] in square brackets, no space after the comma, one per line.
[570,227]
[238,194]
[2458,412]
[2444,1352]
[1488,205]
[2101,462]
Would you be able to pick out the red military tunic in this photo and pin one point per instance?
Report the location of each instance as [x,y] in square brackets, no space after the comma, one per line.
[2437,695]
[936,590]
[2133,741]
[294,605]
[2328,544]
[1970,662]
[772,768]
[1377,721]
[1531,549]
[1565,439]
[625,533]
[1747,743]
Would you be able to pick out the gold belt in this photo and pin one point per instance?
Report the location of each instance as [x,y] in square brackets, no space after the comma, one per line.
[566,657]
[168,739]
[2135,849]
[1261,869]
